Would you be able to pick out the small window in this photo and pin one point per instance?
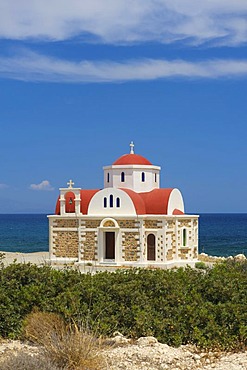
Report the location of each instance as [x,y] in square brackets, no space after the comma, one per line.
[108,177]
[111,200]
[118,202]
[105,202]
[122,177]
[184,237]
[155,177]
[143,176]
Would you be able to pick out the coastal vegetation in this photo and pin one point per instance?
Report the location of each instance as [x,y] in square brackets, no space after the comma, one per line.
[204,306]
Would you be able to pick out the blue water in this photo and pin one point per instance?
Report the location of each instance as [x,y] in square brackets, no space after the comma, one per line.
[219,234]
[24,233]
[223,234]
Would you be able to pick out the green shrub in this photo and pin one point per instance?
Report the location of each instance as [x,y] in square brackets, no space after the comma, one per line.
[204,307]
[200,265]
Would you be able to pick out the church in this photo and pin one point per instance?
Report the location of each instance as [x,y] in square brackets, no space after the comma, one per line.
[130,222]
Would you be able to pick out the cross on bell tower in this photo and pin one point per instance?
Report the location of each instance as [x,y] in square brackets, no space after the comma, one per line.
[70,184]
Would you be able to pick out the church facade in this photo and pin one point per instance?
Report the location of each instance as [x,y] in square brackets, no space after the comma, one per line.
[130,222]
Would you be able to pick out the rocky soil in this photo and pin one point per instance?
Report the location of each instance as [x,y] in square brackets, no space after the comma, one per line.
[148,354]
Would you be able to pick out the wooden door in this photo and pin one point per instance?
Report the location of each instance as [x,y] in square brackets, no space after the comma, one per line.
[110,245]
[151,247]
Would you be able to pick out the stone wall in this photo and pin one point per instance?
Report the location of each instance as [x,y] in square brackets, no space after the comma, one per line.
[130,243]
[92,224]
[66,244]
[68,223]
[153,224]
[127,224]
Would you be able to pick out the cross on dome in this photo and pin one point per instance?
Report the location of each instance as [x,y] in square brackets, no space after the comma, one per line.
[70,184]
[132,147]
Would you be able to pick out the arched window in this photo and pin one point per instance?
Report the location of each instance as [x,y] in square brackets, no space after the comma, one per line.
[122,177]
[151,247]
[184,237]
[69,202]
[105,202]
[143,176]
[111,200]
[118,202]
[108,177]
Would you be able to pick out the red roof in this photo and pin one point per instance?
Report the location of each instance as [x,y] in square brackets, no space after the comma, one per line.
[177,212]
[137,200]
[132,159]
[156,201]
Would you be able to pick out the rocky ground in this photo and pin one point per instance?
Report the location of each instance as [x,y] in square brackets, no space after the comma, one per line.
[147,354]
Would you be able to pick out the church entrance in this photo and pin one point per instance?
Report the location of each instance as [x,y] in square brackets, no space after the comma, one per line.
[110,245]
[151,247]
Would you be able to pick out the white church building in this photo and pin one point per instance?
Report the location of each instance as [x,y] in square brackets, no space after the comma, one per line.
[130,222]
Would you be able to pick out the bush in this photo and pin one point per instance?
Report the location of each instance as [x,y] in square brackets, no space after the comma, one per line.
[203,307]
[200,265]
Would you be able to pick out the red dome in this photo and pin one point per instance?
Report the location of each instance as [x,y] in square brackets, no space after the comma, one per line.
[132,159]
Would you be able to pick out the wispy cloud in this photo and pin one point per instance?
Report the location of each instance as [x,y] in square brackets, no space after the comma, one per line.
[3,186]
[126,21]
[35,67]
[44,185]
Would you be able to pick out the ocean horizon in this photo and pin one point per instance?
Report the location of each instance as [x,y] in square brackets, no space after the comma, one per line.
[220,234]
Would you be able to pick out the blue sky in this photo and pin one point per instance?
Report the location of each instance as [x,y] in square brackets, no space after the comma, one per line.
[80,79]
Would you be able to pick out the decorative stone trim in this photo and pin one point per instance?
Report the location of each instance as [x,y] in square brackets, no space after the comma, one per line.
[109,223]
[89,246]
[170,224]
[184,223]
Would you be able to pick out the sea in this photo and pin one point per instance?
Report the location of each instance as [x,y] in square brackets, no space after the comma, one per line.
[220,234]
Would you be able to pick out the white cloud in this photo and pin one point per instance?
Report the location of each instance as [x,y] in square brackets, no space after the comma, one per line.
[35,67]
[44,185]
[124,21]
[3,186]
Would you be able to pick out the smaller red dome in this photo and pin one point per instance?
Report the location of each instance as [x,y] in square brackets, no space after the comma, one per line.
[132,159]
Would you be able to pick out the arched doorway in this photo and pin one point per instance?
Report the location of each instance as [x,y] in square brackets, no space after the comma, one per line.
[151,247]
[108,240]
[110,245]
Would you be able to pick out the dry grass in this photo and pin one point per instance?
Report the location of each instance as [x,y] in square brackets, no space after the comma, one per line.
[67,346]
